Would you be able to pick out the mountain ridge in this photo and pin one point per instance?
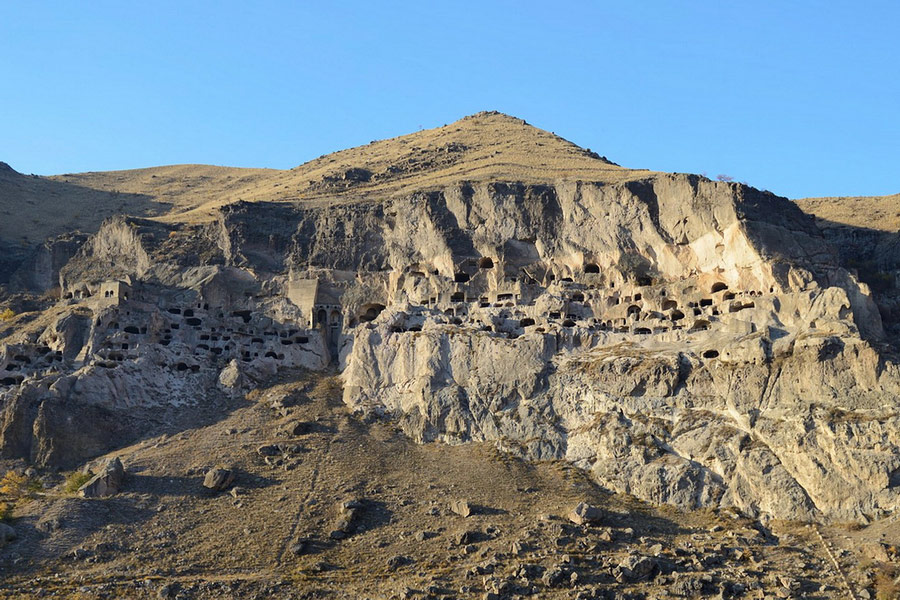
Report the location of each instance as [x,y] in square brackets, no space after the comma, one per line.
[470,148]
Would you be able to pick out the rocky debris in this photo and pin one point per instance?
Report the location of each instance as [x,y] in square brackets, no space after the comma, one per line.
[636,568]
[281,403]
[465,538]
[686,586]
[299,547]
[168,590]
[105,483]
[269,450]
[219,479]
[349,176]
[397,561]
[282,451]
[510,554]
[49,524]
[585,513]
[298,428]
[461,507]
[555,577]
[348,514]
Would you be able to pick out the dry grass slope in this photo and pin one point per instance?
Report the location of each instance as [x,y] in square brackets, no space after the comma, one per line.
[485,146]
[871,212]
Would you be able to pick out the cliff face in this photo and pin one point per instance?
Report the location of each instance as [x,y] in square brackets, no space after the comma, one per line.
[800,426]
[865,232]
[687,341]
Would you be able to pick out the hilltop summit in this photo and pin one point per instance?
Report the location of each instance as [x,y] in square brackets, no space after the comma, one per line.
[486,145]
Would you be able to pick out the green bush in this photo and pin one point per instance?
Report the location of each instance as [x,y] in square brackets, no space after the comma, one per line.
[76,480]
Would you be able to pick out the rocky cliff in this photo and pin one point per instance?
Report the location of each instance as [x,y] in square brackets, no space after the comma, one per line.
[865,232]
[690,342]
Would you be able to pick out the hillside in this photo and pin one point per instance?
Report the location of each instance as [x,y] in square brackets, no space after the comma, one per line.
[865,232]
[486,146]
[481,310]
[277,533]
[880,213]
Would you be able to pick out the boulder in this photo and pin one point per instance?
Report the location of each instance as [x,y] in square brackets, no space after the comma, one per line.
[298,428]
[348,515]
[230,378]
[637,568]
[107,482]
[585,513]
[461,507]
[467,537]
[218,479]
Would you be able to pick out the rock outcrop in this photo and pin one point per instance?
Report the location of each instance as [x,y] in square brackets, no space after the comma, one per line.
[107,482]
[690,342]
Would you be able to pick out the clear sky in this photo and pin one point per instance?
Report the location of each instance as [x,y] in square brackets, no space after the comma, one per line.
[800,97]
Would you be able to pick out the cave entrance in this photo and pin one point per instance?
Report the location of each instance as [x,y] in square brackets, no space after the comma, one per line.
[370,312]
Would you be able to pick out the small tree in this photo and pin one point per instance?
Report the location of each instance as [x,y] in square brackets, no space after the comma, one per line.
[723,177]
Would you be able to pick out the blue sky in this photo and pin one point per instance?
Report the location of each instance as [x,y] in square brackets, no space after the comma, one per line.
[798,97]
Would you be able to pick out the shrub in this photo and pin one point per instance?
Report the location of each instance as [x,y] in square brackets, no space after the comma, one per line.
[7,315]
[886,585]
[75,480]
[15,488]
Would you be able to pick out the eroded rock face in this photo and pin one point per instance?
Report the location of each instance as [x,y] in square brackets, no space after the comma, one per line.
[39,272]
[765,426]
[687,341]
